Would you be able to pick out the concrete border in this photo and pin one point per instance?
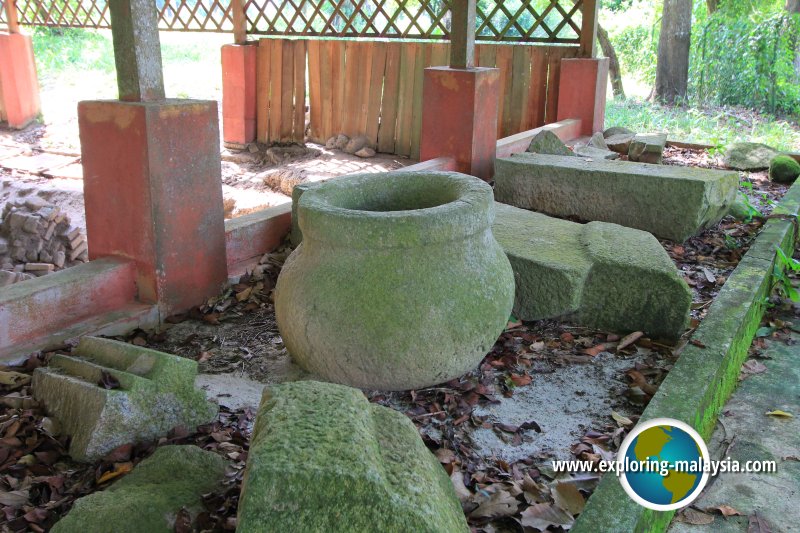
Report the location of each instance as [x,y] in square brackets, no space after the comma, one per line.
[706,373]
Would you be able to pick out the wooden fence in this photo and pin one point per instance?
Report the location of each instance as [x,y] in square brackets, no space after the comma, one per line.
[374,88]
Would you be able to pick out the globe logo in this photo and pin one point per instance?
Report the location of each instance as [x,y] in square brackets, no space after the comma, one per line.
[663,464]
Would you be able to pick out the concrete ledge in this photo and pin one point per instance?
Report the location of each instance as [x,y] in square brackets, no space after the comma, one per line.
[566,130]
[440,163]
[34,313]
[703,378]
[251,236]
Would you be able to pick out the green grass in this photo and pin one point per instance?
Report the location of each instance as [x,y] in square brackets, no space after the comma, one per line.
[716,126]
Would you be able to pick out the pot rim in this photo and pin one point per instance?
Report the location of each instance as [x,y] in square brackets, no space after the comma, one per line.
[453,206]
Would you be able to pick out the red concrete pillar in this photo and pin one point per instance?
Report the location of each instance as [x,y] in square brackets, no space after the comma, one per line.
[459,117]
[153,193]
[582,92]
[239,93]
[19,85]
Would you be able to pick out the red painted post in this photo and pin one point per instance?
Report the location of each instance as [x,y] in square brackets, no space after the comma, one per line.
[582,92]
[239,93]
[153,194]
[459,117]
[19,85]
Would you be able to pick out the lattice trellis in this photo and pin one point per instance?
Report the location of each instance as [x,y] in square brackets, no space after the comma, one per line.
[551,21]
[543,21]
[176,15]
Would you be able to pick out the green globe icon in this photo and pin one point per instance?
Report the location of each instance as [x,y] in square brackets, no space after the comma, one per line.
[664,463]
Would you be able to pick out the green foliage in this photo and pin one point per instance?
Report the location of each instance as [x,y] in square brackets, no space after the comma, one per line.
[716,126]
[783,282]
[61,49]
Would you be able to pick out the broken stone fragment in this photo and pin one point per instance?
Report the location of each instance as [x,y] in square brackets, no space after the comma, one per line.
[366,152]
[341,141]
[647,148]
[595,153]
[149,498]
[322,458]
[620,142]
[598,275]
[617,130]
[355,144]
[598,141]
[547,142]
[155,394]
[749,156]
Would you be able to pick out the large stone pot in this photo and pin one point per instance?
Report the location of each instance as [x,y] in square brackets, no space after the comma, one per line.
[398,283]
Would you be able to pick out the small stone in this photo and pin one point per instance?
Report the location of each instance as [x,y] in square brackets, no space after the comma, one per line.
[3,246]
[78,251]
[547,142]
[253,148]
[45,257]
[330,144]
[595,153]
[73,233]
[51,228]
[31,224]
[34,203]
[355,144]
[48,212]
[32,267]
[749,156]
[15,221]
[647,148]
[617,130]
[60,258]
[620,142]
[598,141]
[32,255]
[77,241]
[784,169]
[7,278]
[341,141]
[366,152]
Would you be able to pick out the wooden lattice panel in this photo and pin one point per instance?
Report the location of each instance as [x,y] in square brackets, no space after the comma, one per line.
[551,21]
[177,15]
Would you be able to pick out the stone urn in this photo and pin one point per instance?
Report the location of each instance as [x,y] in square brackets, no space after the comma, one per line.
[398,283]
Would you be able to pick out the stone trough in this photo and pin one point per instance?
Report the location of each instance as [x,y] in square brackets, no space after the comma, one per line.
[668,201]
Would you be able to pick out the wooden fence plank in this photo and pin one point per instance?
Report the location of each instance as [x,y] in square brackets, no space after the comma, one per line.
[326,89]
[299,127]
[405,104]
[337,85]
[516,117]
[314,89]
[391,86]
[287,91]
[364,83]
[377,72]
[537,92]
[423,60]
[487,55]
[351,71]
[275,90]
[504,53]
[263,54]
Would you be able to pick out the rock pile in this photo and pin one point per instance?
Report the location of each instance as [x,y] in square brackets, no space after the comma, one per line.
[36,239]
[359,146]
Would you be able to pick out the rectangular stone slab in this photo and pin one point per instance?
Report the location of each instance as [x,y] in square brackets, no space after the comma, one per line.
[598,274]
[670,202]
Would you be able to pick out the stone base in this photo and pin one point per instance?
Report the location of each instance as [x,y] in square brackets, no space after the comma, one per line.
[599,275]
[153,194]
[322,458]
[668,201]
[459,118]
[154,393]
[19,85]
[239,93]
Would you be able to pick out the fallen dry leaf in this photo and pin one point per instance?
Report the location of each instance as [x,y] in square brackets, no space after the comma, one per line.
[777,413]
[569,498]
[629,339]
[752,367]
[499,503]
[757,524]
[724,510]
[621,419]
[694,517]
[543,515]
[119,469]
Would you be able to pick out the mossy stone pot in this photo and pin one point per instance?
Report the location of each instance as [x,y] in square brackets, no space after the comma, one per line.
[398,283]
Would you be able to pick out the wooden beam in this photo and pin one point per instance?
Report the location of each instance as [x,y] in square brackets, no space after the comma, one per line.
[137,50]
[11,16]
[239,21]
[462,34]
[589,28]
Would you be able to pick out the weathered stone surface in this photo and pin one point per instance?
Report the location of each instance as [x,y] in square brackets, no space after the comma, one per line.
[366,152]
[784,169]
[749,156]
[595,153]
[398,282]
[156,393]
[669,201]
[620,142]
[598,274]
[547,142]
[148,499]
[356,144]
[322,458]
[647,148]
[341,141]
[598,141]
[617,130]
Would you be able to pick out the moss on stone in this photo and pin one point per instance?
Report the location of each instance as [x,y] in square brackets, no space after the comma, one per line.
[784,169]
[322,458]
[148,499]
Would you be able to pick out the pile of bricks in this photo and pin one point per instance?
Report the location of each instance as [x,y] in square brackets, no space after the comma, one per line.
[36,239]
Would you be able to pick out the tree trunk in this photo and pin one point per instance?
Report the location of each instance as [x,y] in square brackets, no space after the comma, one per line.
[793,7]
[712,6]
[613,62]
[672,69]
